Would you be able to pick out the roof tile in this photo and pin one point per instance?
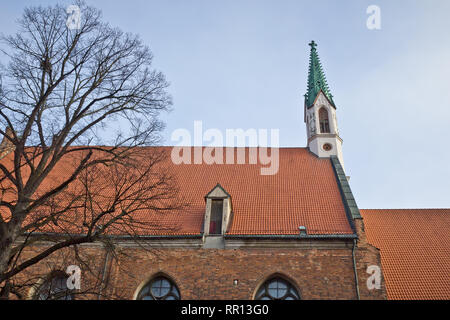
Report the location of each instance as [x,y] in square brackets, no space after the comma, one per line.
[415,250]
[304,192]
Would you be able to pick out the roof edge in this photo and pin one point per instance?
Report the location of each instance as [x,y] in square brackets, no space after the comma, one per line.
[290,236]
[226,236]
[351,208]
[121,236]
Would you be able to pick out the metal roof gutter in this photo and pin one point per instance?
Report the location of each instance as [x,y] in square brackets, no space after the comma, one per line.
[355,271]
[227,236]
[291,237]
[124,236]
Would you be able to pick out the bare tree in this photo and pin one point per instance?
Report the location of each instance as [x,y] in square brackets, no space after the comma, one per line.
[63,96]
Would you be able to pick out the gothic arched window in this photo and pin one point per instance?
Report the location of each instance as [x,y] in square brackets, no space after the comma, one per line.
[277,289]
[323,120]
[54,288]
[159,288]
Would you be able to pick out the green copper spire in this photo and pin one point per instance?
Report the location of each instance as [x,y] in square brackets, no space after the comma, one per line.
[316,78]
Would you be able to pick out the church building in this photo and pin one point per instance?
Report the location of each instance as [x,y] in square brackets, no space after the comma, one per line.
[297,234]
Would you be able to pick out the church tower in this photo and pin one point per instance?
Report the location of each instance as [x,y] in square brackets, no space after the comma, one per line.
[320,112]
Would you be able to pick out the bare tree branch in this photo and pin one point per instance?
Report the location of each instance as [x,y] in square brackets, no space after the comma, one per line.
[71,171]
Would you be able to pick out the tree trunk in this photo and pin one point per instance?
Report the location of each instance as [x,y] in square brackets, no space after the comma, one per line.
[8,235]
[6,241]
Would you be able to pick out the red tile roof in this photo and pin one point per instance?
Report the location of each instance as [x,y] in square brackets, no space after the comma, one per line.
[415,250]
[304,192]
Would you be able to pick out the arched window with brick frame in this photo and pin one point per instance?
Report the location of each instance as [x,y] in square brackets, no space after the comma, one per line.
[53,287]
[159,287]
[277,288]
[324,121]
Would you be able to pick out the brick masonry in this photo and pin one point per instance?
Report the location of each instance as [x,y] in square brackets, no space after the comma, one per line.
[210,273]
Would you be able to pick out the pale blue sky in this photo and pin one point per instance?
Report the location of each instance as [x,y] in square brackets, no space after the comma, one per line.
[243,64]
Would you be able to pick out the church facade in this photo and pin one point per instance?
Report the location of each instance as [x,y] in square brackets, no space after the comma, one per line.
[297,234]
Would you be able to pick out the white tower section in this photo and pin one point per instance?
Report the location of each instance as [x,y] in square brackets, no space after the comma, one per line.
[322,129]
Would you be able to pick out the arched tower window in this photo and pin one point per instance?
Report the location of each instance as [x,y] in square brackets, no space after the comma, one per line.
[277,288]
[159,288]
[323,120]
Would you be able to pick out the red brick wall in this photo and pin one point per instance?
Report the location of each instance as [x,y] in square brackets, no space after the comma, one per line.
[210,273]
[367,255]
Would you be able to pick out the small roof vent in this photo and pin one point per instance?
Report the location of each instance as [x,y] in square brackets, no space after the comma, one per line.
[302,230]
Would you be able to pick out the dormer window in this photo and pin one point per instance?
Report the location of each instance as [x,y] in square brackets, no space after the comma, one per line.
[218,214]
[215,221]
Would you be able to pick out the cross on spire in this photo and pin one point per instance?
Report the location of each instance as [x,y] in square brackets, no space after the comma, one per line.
[316,78]
[312,44]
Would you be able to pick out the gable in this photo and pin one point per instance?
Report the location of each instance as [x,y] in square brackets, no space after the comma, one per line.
[217,192]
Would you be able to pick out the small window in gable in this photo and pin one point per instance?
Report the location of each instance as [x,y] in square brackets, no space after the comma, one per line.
[215,223]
